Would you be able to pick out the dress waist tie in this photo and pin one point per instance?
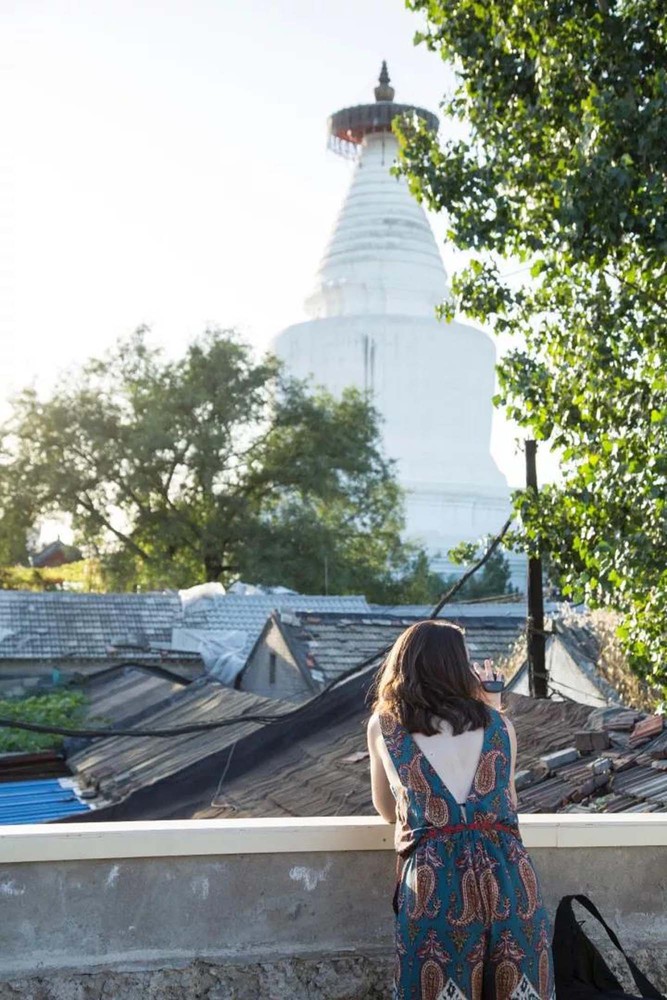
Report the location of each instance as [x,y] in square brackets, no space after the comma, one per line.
[435,832]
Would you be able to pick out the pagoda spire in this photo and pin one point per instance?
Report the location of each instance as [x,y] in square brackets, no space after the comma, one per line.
[384,92]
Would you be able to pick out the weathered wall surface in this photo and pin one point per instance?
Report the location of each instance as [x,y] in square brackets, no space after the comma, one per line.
[307,925]
[321,978]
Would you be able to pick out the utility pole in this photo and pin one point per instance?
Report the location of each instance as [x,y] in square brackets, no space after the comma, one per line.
[537,671]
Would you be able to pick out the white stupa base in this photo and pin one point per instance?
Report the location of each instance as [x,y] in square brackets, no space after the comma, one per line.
[441,517]
[431,382]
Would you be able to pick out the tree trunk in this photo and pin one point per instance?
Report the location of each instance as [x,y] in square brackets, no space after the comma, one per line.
[214,567]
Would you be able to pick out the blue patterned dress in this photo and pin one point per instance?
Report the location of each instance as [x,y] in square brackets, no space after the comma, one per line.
[470,922]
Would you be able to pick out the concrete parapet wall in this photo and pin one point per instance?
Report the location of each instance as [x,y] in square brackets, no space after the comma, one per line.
[228,905]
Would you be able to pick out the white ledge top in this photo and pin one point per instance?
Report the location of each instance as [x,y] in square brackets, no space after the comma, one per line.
[180,838]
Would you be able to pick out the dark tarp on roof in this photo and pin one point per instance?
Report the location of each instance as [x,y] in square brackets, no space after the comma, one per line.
[175,779]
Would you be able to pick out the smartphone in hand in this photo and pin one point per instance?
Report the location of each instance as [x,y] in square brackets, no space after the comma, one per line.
[494,686]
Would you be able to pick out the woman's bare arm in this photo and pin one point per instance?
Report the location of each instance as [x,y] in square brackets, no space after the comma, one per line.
[511,731]
[383,798]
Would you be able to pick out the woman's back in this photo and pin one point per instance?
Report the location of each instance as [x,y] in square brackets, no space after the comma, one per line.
[445,780]
[453,758]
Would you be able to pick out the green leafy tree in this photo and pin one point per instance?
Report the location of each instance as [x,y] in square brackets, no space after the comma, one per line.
[563,174]
[16,517]
[57,708]
[421,585]
[494,579]
[214,466]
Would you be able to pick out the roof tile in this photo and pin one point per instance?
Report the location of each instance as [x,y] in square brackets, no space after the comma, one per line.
[68,626]
[334,643]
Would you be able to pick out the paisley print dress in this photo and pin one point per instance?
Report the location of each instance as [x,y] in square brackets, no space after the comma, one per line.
[470,922]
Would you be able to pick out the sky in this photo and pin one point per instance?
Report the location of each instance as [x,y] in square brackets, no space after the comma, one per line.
[165,163]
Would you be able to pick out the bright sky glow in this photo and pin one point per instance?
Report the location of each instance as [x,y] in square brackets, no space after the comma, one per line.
[166,163]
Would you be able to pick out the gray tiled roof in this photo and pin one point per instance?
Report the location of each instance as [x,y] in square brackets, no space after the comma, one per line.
[246,610]
[628,775]
[122,765]
[66,626]
[326,772]
[249,613]
[337,643]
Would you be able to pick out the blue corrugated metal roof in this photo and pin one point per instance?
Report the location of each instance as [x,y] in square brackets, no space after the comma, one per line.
[38,801]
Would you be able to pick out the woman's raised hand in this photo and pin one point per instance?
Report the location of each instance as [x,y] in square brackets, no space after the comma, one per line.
[488,675]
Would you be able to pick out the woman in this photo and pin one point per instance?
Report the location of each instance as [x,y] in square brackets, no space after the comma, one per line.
[470,922]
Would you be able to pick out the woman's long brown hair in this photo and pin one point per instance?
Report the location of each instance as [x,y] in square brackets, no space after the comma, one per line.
[427,677]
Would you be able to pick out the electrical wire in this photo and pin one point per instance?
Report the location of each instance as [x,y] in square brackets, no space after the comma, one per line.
[214,800]
[561,684]
[495,542]
[261,719]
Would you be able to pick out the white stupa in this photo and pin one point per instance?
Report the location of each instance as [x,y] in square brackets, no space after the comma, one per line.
[373,326]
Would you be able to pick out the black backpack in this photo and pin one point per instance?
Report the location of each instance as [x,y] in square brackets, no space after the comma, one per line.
[581,973]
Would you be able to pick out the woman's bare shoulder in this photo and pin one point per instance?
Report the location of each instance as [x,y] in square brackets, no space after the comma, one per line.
[509,725]
[377,727]
[373,728]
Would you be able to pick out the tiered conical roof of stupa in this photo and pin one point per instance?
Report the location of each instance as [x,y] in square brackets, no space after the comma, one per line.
[382,257]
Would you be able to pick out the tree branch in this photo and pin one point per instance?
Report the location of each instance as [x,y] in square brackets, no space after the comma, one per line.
[446,597]
[88,505]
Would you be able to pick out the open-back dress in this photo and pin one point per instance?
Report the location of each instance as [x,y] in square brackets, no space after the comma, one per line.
[470,921]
